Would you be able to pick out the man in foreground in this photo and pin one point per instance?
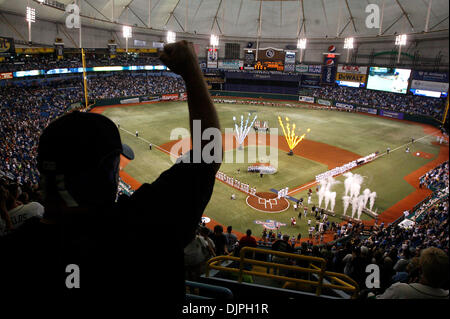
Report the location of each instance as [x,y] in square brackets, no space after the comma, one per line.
[88,243]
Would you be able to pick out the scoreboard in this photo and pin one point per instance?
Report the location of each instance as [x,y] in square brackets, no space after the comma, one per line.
[269,65]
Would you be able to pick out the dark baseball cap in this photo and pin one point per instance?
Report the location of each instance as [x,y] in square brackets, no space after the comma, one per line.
[77,141]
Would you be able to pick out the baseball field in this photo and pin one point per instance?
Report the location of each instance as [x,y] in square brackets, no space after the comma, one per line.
[335,138]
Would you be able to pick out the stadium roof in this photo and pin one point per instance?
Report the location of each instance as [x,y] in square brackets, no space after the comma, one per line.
[270,19]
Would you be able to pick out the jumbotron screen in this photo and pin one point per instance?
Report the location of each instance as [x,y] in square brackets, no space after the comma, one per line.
[388,79]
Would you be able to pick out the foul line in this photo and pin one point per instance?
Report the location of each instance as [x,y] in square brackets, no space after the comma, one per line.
[148,142]
[300,188]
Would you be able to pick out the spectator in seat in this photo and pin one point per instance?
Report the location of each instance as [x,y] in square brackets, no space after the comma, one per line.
[196,253]
[232,239]
[220,241]
[248,240]
[19,213]
[5,220]
[282,245]
[433,263]
[112,243]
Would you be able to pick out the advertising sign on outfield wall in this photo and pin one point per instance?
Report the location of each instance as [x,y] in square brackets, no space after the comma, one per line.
[344,105]
[368,110]
[151,99]
[132,100]
[307,99]
[169,97]
[324,102]
[394,115]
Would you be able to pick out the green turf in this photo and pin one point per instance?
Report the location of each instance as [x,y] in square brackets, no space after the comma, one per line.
[357,133]
[295,170]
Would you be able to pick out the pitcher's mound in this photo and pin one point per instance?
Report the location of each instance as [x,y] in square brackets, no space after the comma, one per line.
[267,202]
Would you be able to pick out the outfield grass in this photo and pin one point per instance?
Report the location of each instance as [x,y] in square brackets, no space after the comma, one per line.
[357,133]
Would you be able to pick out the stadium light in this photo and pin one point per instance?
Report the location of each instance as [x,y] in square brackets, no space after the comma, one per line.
[214,42]
[301,44]
[31,15]
[400,41]
[127,33]
[171,37]
[348,44]
[31,18]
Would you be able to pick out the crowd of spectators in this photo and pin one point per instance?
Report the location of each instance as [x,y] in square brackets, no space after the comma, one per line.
[47,62]
[407,103]
[26,110]
[436,178]
[128,84]
[17,204]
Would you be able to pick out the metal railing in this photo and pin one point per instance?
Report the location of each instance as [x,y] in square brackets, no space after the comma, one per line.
[316,266]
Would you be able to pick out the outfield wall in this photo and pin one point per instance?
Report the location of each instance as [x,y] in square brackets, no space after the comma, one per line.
[339,104]
[274,96]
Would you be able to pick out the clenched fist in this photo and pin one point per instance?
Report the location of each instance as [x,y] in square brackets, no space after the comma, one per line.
[180,58]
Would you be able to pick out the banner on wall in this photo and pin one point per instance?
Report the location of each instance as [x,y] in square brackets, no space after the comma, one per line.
[351,75]
[231,65]
[309,80]
[368,110]
[430,76]
[6,75]
[249,59]
[344,105]
[289,57]
[271,55]
[429,86]
[301,68]
[7,46]
[393,115]
[352,69]
[315,69]
[289,68]
[329,65]
[212,58]
[307,99]
[324,102]
[169,97]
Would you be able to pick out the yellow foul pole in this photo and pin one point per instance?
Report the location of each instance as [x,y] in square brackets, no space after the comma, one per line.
[446,111]
[84,79]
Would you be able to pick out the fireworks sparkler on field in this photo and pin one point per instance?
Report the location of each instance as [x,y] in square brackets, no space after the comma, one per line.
[291,137]
[243,130]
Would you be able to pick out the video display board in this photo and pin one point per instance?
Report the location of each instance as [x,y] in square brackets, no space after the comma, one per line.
[388,79]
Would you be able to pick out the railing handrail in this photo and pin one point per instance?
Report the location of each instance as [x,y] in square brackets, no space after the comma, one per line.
[339,281]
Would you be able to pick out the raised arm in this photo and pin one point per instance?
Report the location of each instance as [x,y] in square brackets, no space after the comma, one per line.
[181,59]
